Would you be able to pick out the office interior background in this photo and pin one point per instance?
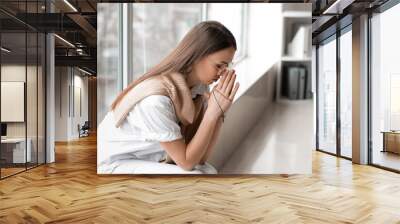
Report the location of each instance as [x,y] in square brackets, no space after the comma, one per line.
[48,81]
[275,134]
[356,122]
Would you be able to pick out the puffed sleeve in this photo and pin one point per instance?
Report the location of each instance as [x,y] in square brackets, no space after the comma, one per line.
[154,119]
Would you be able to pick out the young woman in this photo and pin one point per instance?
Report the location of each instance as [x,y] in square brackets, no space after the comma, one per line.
[166,121]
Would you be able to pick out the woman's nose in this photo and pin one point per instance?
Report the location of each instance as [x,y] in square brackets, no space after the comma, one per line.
[221,71]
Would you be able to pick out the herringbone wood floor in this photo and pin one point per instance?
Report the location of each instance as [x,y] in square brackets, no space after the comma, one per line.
[70,191]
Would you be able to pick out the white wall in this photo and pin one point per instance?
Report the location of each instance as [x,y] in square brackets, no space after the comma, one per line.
[264,41]
[61,103]
[34,124]
[68,81]
[17,73]
[14,73]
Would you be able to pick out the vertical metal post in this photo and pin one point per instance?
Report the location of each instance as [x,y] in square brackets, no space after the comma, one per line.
[317,95]
[338,90]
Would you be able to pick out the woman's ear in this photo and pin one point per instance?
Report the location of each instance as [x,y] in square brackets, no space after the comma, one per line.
[188,70]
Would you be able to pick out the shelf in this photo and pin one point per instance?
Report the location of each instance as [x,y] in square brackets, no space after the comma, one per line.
[296,59]
[297,14]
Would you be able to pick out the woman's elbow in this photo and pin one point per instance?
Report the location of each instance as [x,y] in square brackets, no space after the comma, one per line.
[187,166]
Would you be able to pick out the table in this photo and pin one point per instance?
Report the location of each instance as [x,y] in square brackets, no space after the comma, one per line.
[13,150]
[391,141]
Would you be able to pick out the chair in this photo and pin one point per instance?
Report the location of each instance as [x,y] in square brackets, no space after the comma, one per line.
[84,130]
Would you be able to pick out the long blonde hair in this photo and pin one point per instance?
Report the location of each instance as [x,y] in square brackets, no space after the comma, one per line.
[203,39]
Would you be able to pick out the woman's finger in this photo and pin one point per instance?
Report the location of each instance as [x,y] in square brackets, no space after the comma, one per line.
[230,85]
[233,93]
[226,81]
[221,80]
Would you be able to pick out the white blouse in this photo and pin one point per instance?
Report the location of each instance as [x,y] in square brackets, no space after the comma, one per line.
[151,121]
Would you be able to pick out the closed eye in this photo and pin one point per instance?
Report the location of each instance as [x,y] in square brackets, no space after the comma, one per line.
[220,66]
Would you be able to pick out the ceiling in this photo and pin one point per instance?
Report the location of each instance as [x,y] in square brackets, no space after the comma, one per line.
[331,15]
[76,22]
[72,20]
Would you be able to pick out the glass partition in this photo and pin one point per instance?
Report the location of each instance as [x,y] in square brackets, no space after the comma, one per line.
[22,88]
[385,89]
[346,93]
[327,96]
[13,96]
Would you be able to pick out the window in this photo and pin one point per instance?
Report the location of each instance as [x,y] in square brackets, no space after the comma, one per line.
[148,28]
[327,96]
[157,29]
[109,79]
[234,17]
[385,88]
[394,102]
[346,93]
[140,35]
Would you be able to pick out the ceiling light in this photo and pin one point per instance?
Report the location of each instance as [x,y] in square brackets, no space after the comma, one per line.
[70,5]
[84,71]
[5,50]
[64,40]
[338,6]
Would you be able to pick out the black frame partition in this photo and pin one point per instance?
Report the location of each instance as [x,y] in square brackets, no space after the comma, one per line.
[340,33]
[28,50]
[20,44]
[381,9]
[338,29]
[337,34]
[338,100]
[318,95]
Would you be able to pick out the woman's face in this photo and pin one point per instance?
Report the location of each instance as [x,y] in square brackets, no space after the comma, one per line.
[209,68]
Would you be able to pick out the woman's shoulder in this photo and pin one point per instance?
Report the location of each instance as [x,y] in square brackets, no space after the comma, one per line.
[154,109]
[156,100]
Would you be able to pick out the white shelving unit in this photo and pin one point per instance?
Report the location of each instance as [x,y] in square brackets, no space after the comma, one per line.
[295,16]
[295,59]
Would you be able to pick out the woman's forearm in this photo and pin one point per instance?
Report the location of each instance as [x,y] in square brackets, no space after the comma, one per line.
[200,142]
[211,145]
